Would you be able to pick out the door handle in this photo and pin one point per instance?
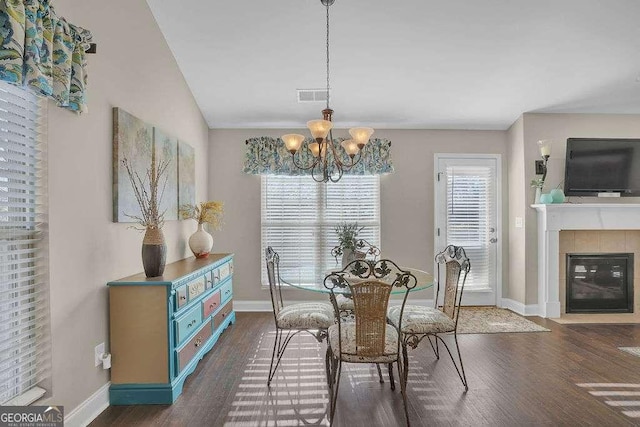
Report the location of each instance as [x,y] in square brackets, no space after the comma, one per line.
[493,240]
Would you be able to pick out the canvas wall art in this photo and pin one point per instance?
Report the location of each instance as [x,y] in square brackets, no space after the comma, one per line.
[166,147]
[136,140]
[187,174]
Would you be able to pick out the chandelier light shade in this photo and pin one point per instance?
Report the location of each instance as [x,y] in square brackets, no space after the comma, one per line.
[361,136]
[293,141]
[319,129]
[328,162]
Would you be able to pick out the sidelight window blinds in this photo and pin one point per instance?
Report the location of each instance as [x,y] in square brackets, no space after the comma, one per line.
[24,302]
[299,217]
[469,217]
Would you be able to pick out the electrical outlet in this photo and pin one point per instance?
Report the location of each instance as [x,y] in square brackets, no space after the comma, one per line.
[519,222]
[99,351]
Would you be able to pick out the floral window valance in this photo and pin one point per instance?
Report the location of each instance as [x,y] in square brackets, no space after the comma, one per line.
[269,156]
[42,51]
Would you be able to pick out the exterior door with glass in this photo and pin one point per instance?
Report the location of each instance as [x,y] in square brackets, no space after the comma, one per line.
[467,197]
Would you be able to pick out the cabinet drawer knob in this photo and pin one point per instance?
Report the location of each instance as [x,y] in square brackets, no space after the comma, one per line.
[183,297]
[198,342]
[212,305]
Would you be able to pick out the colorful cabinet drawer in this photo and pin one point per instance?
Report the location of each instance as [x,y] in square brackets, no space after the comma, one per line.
[161,327]
[222,315]
[211,304]
[226,291]
[190,349]
[188,323]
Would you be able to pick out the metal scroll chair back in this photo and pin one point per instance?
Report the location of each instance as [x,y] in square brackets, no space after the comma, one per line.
[273,273]
[457,265]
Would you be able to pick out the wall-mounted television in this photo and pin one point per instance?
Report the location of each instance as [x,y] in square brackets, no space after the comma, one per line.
[601,167]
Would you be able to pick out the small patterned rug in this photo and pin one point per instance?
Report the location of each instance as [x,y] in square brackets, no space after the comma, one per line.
[491,320]
[633,350]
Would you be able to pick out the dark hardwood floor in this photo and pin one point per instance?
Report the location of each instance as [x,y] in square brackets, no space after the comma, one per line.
[574,375]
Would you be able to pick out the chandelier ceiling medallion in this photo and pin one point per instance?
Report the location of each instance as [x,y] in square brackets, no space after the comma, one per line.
[328,162]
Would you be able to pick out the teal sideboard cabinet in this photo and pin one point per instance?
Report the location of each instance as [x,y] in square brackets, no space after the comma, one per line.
[161,327]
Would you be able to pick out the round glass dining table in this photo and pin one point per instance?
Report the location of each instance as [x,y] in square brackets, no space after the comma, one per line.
[424,280]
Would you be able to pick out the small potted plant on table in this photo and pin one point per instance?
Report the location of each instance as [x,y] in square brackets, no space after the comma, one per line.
[349,246]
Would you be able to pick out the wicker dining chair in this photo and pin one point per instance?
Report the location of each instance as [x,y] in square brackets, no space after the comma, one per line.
[345,304]
[368,338]
[313,318]
[419,322]
[367,251]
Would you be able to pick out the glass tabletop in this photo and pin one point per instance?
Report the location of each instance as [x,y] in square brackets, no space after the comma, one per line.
[424,280]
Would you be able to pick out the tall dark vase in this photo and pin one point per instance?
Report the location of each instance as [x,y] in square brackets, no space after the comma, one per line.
[154,252]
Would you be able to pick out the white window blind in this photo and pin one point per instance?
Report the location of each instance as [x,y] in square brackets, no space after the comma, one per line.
[469,217]
[24,303]
[299,217]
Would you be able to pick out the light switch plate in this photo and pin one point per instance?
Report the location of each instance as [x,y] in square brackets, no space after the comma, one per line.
[519,222]
[99,351]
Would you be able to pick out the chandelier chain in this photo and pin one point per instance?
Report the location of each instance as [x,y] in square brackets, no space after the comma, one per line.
[329,158]
[328,4]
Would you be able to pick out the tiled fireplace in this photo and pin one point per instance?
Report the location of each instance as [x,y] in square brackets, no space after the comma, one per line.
[592,229]
[598,282]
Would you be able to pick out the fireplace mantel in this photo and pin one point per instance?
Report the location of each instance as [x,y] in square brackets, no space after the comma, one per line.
[567,216]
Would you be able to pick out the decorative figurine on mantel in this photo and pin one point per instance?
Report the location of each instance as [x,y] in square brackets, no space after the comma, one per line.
[209,213]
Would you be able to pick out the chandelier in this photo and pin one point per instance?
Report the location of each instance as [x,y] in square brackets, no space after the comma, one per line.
[327,162]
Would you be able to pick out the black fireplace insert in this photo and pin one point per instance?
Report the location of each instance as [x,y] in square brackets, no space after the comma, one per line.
[600,283]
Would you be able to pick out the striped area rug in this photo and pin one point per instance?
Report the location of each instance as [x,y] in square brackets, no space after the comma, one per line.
[623,397]
[632,350]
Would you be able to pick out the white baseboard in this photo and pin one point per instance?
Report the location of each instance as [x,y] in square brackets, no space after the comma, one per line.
[520,308]
[88,410]
[252,306]
[257,306]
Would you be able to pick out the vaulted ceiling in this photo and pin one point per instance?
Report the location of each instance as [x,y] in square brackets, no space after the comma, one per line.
[463,64]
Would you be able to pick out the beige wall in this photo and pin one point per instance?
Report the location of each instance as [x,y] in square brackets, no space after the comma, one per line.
[407,212]
[133,69]
[559,127]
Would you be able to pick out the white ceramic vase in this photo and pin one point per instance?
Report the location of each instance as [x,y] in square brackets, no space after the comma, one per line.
[201,242]
[348,255]
[351,255]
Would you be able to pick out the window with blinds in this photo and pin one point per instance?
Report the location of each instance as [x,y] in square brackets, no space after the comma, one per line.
[299,217]
[469,217]
[24,303]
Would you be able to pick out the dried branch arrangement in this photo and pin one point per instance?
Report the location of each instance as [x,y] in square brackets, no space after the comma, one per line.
[146,191]
[208,212]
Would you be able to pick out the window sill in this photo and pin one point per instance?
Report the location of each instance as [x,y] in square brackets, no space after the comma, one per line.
[26,398]
[478,290]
